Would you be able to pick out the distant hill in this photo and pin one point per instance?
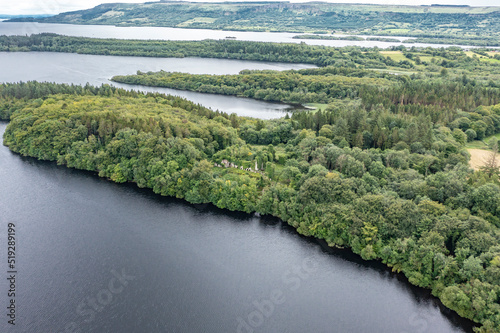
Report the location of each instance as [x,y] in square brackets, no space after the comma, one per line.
[420,21]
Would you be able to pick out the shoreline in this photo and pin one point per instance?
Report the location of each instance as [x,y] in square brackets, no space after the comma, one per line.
[346,253]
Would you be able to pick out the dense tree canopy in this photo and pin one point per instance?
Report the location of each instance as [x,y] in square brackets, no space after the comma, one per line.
[415,205]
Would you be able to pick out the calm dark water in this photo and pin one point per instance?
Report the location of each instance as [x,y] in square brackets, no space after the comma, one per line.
[96,70]
[94,256]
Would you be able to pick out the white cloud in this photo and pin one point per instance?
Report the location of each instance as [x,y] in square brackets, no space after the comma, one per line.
[17,7]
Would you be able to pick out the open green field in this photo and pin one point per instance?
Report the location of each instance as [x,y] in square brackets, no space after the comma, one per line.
[315,106]
[394,55]
[472,54]
[477,144]
[399,56]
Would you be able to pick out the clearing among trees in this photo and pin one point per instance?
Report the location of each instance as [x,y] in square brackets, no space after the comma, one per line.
[479,157]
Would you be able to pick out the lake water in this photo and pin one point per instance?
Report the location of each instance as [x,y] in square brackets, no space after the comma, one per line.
[107,31]
[96,70]
[95,256]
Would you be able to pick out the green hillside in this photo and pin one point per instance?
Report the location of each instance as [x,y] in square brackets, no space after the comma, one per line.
[420,21]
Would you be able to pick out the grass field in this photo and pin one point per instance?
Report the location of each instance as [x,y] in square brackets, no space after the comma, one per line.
[399,56]
[476,144]
[494,61]
[482,57]
[395,55]
[315,106]
[472,54]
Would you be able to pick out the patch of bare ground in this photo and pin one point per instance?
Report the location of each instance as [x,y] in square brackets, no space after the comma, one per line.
[478,158]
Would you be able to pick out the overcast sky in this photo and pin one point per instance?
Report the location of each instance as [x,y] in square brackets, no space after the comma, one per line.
[16,7]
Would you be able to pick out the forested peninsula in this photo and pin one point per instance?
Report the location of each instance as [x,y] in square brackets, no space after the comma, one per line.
[392,186]
[222,49]
[425,60]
